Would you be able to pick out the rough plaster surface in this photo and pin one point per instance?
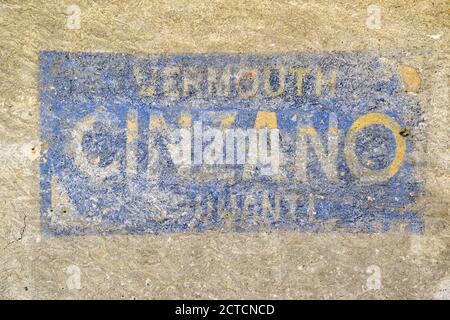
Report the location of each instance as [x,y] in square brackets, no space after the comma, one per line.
[219,265]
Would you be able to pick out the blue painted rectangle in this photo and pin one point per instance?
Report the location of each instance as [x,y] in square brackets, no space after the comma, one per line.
[109,123]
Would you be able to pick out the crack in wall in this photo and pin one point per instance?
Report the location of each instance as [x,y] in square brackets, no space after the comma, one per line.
[22,232]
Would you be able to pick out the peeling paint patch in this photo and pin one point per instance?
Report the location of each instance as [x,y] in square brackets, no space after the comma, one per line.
[150,144]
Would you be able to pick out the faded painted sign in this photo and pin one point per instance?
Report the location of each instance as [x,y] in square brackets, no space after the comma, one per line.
[227,142]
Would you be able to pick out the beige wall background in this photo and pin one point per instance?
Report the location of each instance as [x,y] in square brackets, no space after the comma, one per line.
[219,265]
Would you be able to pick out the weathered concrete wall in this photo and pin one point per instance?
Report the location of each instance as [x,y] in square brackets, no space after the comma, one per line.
[279,264]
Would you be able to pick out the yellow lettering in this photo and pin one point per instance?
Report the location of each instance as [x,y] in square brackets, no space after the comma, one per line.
[281,81]
[170,83]
[300,72]
[331,82]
